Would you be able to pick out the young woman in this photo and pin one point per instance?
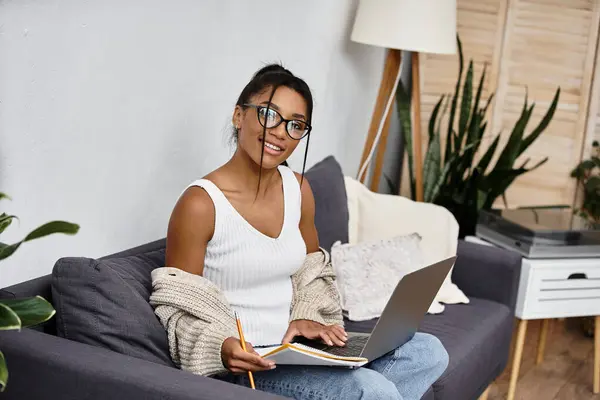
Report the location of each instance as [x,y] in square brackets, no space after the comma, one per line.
[248,227]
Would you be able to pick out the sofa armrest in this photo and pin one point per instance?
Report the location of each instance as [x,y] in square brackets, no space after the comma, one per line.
[487,272]
[45,366]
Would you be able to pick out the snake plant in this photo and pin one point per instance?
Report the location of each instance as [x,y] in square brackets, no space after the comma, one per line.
[455,180]
[24,312]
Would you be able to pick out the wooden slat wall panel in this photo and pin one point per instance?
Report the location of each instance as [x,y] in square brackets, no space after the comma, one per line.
[480,25]
[538,44]
[593,126]
[547,43]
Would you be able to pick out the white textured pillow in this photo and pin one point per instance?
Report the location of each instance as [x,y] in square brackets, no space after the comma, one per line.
[374,216]
[368,272]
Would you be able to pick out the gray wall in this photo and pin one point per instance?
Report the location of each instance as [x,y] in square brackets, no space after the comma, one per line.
[109,108]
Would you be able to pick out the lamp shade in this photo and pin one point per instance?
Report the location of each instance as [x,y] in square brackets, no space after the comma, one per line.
[416,25]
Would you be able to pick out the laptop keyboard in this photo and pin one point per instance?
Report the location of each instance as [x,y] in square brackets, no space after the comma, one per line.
[354,346]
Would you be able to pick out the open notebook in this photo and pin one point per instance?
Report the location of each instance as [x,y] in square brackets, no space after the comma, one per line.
[300,354]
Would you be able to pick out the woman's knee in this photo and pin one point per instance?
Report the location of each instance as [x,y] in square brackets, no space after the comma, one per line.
[434,349]
[371,385]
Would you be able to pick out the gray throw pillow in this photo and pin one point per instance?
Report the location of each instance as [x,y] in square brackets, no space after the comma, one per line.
[331,202]
[105,303]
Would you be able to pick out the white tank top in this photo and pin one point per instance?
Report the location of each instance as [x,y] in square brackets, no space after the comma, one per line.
[252,269]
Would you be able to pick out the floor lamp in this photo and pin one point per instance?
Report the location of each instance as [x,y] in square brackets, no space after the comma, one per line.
[412,25]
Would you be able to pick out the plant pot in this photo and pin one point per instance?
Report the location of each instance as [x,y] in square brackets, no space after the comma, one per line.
[465,215]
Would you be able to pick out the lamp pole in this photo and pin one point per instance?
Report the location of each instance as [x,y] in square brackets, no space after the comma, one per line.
[412,25]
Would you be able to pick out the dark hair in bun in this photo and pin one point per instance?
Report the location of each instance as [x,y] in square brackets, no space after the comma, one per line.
[270,77]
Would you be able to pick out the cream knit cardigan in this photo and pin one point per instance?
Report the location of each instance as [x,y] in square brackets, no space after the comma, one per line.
[198,318]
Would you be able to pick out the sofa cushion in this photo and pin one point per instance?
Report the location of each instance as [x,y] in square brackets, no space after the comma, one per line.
[477,338]
[105,303]
[331,203]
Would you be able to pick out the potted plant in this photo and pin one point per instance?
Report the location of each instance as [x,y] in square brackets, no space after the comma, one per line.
[587,174]
[454,180]
[19,313]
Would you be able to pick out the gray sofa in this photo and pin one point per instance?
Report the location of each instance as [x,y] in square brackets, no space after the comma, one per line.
[46,362]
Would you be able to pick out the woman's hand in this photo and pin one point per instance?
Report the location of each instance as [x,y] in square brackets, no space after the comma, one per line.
[239,361]
[332,334]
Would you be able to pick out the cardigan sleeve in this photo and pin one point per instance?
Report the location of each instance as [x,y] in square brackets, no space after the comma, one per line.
[315,295]
[196,316]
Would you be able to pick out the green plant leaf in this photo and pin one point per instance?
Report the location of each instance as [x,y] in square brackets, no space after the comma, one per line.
[436,190]
[3,372]
[4,196]
[477,125]
[479,132]
[583,169]
[449,136]
[465,106]
[459,174]
[431,168]
[474,196]
[53,227]
[473,137]
[542,125]
[31,310]
[484,162]
[9,320]
[481,198]
[487,104]
[434,118]
[403,106]
[5,221]
[479,92]
[448,183]
[439,122]
[44,230]
[511,149]
[498,181]
[593,184]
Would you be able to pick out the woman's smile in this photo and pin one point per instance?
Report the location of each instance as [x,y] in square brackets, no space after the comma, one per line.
[272,148]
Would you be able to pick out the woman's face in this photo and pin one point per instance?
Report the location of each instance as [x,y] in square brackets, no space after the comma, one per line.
[277,144]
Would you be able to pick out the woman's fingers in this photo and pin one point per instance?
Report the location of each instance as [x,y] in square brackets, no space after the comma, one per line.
[251,358]
[334,337]
[340,330]
[250,349]
[324,335]
[289,335]
[240,366]
[339,338]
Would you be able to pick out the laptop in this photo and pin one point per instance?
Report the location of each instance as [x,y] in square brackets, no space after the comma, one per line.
[401,317]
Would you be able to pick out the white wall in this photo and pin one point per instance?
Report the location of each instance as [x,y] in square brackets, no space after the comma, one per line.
[109,108]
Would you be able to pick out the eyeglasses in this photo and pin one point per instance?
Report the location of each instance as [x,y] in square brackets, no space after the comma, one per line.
[270,118]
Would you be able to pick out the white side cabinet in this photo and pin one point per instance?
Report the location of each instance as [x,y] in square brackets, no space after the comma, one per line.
[559,288]
[554,288]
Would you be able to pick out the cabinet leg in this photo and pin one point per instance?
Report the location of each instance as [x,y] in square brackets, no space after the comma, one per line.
[542,341]
[514,375]
[597,355]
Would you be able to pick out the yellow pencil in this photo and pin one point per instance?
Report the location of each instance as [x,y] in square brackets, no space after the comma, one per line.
[243,343]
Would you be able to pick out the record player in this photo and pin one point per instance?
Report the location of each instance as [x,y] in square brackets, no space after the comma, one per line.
[540,232]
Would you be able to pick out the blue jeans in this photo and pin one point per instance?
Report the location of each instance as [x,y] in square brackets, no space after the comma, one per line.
[403,374]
